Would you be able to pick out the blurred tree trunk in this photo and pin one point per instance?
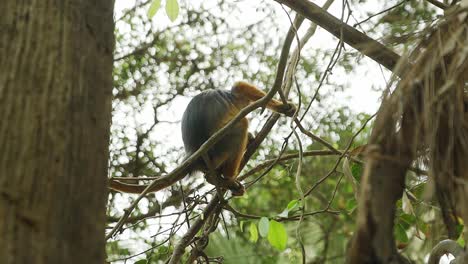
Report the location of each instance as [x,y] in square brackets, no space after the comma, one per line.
[55,105]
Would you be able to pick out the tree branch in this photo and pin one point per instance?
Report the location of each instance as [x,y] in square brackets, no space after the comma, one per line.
[438,4]
[368,46]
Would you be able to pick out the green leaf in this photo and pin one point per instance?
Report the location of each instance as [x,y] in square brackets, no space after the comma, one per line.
[253,232]
[284,214]
[277,235]
[141,261]
[404,225]
[293,204]
[461,241]
[356,170]
[399,204]
[421,230]
[423,227]
[172,9]
[400,234]
[351,205]
[419,191]
[242,226]
[154,7]
[408,218]
[348,172]
[162,252]
[459,229]
[263,226]
[406,221]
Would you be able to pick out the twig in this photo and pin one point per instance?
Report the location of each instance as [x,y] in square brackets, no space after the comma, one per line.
[341,156]
[381,12]
[288,157]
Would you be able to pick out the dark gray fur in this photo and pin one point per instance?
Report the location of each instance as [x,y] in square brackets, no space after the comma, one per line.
[202,119]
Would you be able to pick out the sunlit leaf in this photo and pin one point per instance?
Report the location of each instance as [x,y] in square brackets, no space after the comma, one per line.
[253,232]
[284,214]
[459,229]
[277,235]
[263,226]
[154,7]
[406,204]
[172,9]
[461,241]
[293,204]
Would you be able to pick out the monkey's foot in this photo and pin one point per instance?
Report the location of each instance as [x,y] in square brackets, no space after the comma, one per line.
[237,188]
[287,109]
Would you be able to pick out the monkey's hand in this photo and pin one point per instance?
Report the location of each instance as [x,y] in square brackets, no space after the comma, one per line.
[237,188]
[287,109]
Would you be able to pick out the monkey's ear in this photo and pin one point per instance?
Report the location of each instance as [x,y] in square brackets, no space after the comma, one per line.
[287,109]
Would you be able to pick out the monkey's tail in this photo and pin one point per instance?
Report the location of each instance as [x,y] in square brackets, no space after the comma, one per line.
[156,185]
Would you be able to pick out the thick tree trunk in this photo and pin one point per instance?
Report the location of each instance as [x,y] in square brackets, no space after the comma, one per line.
[387,160]
[55,104]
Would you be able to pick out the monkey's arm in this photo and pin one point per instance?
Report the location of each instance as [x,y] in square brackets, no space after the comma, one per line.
[252,93]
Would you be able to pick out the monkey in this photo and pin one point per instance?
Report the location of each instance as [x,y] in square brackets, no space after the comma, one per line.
[205,114]
[211,110]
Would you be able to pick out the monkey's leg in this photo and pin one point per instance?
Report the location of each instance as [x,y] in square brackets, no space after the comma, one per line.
[213,177]
[230,168]
[230,171]
[252,93]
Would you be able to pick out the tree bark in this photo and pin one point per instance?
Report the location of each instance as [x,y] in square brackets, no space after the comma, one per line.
[349,35]
[425,114]
[55,106]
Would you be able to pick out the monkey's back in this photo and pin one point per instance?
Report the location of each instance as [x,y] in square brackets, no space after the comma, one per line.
[204,115]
